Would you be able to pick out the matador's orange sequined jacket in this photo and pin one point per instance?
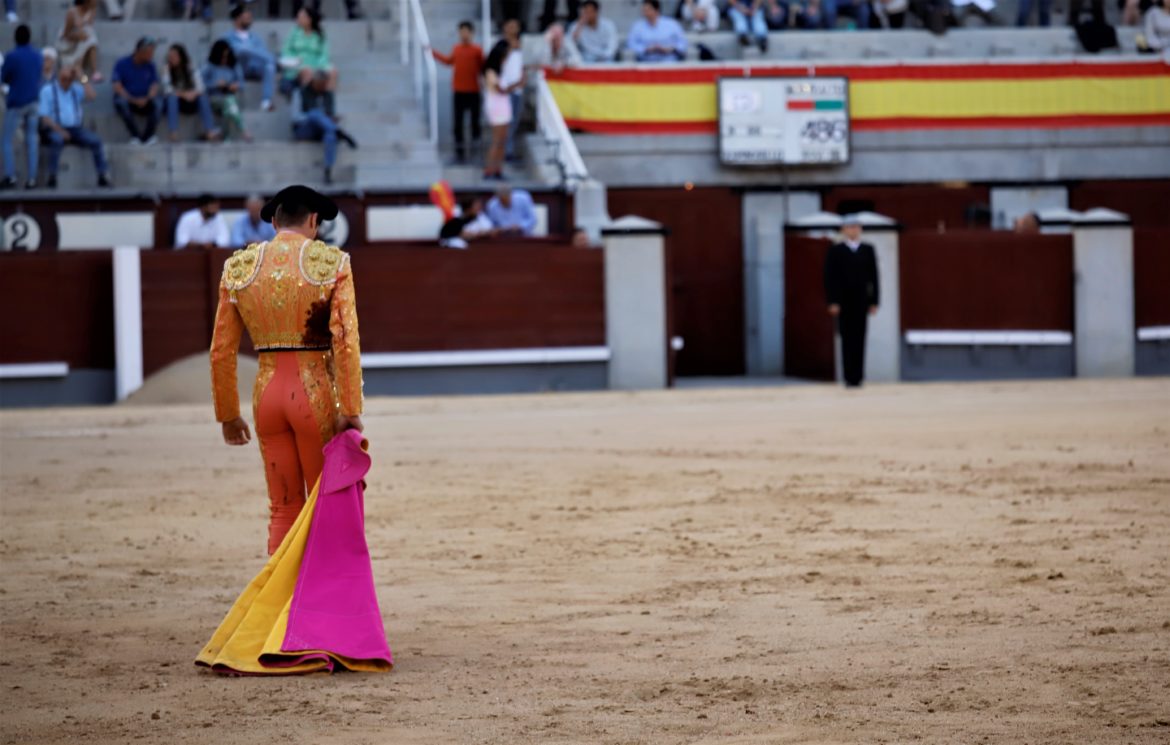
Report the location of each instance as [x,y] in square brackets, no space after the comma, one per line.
[292,294]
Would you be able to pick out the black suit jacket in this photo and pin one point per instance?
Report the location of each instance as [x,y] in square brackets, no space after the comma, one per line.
[851,277]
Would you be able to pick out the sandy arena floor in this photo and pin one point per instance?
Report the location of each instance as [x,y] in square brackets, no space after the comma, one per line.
[934,563]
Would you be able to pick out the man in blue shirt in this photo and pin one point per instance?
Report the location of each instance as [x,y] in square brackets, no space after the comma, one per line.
[250,228]
[61,114]
[252,54]
[22,74]
[136,88]
[511,211]
[656,38]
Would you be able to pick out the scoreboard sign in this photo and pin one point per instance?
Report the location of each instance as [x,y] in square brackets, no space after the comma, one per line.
[783,121]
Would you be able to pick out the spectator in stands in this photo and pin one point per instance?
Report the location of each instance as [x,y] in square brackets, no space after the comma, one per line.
[21,73]
[655,38]
[549,16]
[558,52]
[256,62]
[1044,12]
[1157,27]
[191,9]
[136,89]
[595,37]
[580,239]
[250,228]
[497,108]
[183,90]
[315,120]
[470,224]
[353,8]
[810,16]
[748,21]
[859,9]
[49,68]
[203,227]
[466,61]
[891,13]
[777,14]
[512,82]
[1027,224]
[224,79]
[700,15]
[1132,11]
[851,290]
[78,41]
[512,211]
[305,55]
[62,118]
[10,11]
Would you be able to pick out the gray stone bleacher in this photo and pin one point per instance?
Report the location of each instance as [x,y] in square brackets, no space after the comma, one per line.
[901,44]
[375,100]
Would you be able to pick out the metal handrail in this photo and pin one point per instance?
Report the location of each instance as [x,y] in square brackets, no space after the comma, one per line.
[551,126]
[416,52]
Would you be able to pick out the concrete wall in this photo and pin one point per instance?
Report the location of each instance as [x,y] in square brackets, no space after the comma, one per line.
[1104,300]
[999,156]
[635,304]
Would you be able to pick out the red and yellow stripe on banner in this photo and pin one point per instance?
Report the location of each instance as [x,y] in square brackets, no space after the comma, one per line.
[1058,94]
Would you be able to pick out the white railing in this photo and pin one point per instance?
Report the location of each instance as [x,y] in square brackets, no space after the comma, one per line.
[485,22]
[416,52]
[551,126]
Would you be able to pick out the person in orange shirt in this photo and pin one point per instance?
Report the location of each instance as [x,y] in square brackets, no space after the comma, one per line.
[466,59]
[294,294]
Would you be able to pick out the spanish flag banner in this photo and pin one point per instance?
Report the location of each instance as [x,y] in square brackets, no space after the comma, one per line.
[906,96]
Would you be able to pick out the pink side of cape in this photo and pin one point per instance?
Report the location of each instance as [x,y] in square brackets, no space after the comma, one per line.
[334,606]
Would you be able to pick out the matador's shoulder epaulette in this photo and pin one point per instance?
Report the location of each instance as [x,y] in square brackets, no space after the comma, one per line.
[241,269]
[321,263]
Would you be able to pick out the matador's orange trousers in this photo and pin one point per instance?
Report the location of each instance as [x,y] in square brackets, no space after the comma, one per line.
[294,405]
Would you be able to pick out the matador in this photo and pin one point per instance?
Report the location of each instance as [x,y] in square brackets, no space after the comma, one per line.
[295,296]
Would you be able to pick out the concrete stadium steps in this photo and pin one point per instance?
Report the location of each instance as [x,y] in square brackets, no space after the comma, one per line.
[836,46]
[165,9]
[261,166]
[375,98]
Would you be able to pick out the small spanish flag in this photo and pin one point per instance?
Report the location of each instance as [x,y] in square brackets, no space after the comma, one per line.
[443,197]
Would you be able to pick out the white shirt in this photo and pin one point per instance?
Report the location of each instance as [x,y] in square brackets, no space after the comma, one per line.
[192,228]
[513,69]
[853,245]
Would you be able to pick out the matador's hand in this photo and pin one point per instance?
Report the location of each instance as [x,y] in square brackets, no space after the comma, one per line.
[236,432]
[348,422]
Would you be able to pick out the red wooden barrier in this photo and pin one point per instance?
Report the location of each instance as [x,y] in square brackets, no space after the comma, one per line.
[58,307]
[1151,276]
[972,280]
[808,328]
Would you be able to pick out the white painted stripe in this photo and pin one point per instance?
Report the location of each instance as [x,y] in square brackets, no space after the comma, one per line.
[1153,333]
[989,338]
[34,370]
[104,230]
[128,371]
[421,222]
[467,358]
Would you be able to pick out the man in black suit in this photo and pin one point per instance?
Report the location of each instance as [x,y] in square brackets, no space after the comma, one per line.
[851,289]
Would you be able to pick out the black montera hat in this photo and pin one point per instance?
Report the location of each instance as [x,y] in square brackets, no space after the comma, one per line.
[293,197]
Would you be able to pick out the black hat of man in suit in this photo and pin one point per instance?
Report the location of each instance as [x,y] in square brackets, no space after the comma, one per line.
[294,198]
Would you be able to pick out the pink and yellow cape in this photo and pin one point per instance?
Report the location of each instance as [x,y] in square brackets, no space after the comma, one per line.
[313,606]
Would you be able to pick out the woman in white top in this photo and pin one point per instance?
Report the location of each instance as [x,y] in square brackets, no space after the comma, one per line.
[700,15]
[1157,27]
[497,106]
[184,93]
[78,41]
